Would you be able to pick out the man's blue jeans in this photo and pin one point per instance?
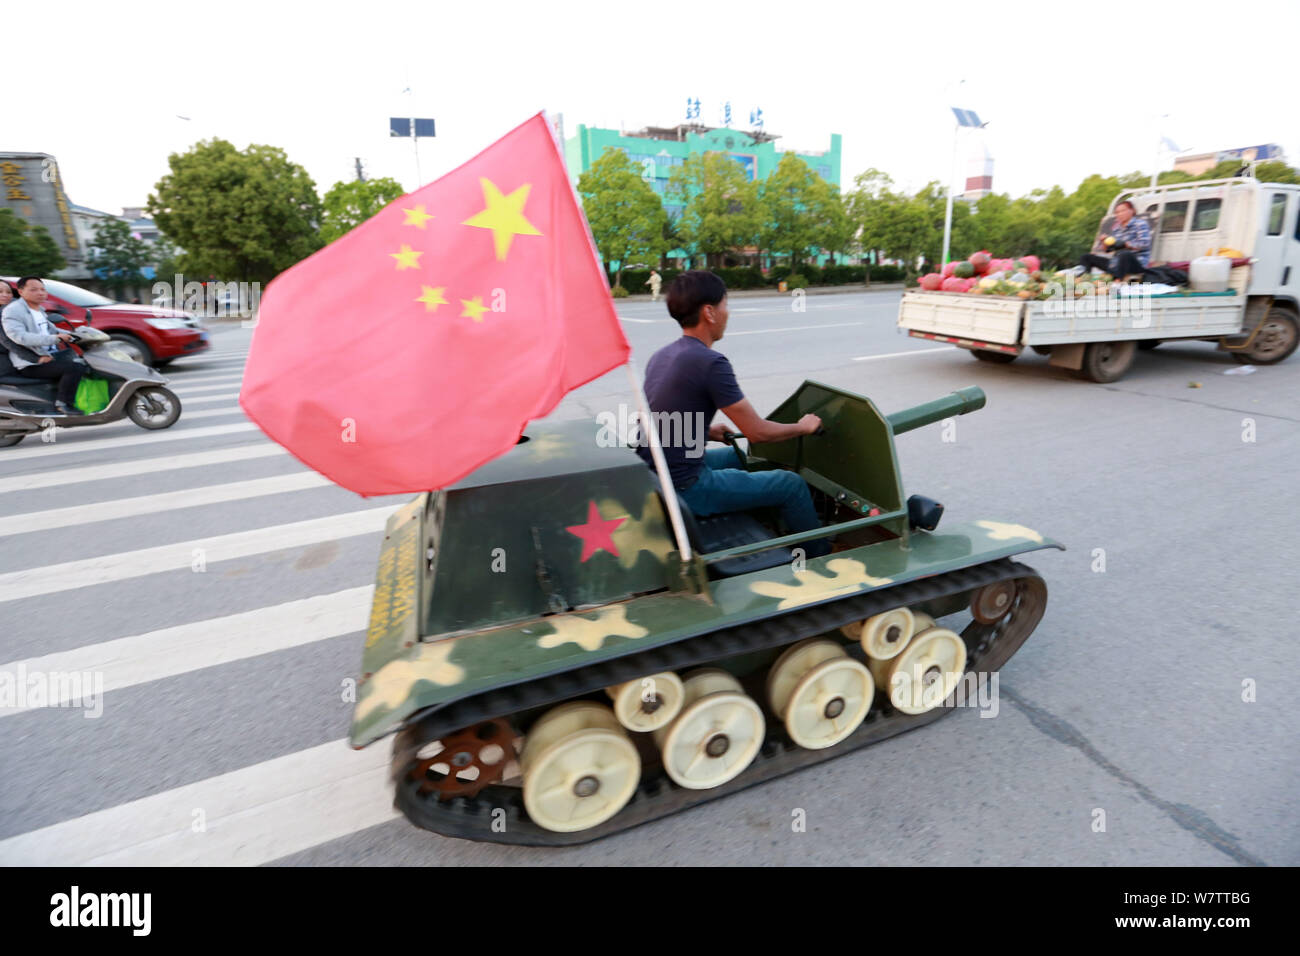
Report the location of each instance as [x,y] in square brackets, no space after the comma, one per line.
[724,486]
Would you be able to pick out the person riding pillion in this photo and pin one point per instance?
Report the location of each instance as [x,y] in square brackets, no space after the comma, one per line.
[690,379]
[26,324]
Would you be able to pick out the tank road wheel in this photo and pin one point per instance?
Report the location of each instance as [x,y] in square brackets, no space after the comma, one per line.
[717,734]
[467,761]
[649,703]
[991,602]
[1107,361]
[922,677]
[579,767]
[821,693]
[885,635]
[1276,339]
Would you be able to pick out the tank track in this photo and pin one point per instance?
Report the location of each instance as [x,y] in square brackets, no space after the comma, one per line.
[989,646]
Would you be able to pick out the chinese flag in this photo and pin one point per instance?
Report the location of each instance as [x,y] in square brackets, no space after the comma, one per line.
[416,347]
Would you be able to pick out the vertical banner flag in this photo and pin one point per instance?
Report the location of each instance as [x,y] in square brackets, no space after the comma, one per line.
[416,347]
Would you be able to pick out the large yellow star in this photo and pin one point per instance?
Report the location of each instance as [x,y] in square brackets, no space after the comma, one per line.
[474,308]
[416,217]
[407,258]
[431,297]
[504,215]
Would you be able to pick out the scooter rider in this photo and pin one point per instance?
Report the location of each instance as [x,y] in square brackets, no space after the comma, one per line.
[26,324]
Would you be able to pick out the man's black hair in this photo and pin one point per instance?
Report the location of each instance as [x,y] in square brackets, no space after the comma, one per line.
[26,279]
[691,290]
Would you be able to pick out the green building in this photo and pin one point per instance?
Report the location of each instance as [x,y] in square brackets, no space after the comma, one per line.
[659,149]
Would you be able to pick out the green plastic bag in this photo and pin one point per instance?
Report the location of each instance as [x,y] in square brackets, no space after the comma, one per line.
[92,395]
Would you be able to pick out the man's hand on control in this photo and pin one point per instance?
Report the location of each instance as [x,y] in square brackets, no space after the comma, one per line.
[718,432]
[810,423]
[44,358]
[64,337]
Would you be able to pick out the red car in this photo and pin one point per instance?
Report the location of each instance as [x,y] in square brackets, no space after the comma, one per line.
[151,335]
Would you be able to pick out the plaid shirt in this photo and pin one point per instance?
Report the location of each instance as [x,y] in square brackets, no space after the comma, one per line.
[1137,236]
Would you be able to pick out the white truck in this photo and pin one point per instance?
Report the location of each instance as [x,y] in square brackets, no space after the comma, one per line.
[1257,320]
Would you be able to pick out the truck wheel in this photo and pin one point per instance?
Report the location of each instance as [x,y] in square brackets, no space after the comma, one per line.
[133,347]
[1275,340]
[1146,345]
[1107,361]
[998,358]
[1042,349]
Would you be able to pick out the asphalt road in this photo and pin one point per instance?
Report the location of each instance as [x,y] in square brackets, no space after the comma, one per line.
[1122,736]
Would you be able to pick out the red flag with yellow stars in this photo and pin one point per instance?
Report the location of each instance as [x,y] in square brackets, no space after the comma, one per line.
[416,347]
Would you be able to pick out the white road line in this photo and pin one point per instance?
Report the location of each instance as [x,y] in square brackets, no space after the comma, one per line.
[796,328]
[86,514]
[182,392]
[35,448]
[178,381]
[251,816]
[910,352]
[87,572]
[189,400]
[141,658]
[641,321]
[142,466]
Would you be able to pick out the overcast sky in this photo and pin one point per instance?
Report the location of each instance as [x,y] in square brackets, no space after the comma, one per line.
[1067,90]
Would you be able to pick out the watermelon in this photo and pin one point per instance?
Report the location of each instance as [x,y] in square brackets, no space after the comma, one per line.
[1033,262]
[931,281]
[981,261]
[948,267]
[953,284]
[964,270]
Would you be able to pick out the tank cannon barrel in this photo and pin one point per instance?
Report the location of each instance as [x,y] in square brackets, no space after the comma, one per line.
[968,399]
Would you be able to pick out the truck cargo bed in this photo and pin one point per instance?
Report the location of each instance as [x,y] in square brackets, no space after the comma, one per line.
[976,321]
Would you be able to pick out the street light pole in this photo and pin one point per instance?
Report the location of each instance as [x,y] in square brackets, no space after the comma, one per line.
[947,215]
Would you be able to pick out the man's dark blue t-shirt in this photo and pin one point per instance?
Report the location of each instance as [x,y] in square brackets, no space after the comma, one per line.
[686,383]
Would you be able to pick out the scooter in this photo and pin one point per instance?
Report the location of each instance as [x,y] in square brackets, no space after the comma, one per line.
[136,392]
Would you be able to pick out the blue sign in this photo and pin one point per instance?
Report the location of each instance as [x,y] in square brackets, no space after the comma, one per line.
[692,108]
[756,118]
[726,114]
[748,162]
[1248,153]
[966,118]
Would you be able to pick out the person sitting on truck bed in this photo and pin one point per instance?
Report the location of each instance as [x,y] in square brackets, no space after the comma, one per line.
[1131,245]
[687,383]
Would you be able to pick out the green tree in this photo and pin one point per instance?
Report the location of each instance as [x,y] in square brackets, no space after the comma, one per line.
[165,259]
[794,206]
[350,203]
[626,216]
[890,223]
[721,205]
[243,216]
[119,254]
[27,250]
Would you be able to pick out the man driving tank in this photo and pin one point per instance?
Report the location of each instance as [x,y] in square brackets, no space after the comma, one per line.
[690,379]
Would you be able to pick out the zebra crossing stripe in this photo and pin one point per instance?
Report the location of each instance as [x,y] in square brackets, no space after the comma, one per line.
[87,572]
[141,466]
[141,658]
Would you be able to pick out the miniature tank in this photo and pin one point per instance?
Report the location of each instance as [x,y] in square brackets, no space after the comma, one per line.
[555,671]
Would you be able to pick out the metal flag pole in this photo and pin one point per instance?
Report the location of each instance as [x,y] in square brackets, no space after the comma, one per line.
[555,125]
[661,466]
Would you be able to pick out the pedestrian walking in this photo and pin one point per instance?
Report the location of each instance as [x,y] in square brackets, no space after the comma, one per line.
[654,282]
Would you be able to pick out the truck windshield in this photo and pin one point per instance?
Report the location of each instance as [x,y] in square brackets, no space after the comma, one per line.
[76,295]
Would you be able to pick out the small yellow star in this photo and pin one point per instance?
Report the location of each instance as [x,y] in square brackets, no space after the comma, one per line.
[474,308]
[431,297]
[416,217]
[504,215]
[407,258]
